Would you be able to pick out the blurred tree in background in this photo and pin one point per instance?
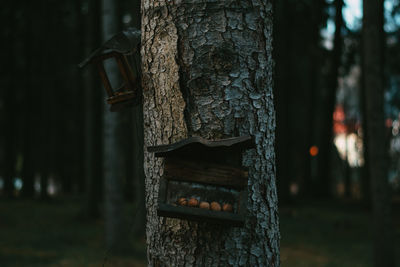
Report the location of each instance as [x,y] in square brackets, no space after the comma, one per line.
[52,110]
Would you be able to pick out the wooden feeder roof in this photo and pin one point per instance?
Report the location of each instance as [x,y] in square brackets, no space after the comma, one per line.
[200,146]
[125,42]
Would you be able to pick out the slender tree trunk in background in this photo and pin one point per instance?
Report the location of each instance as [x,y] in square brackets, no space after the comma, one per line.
[91,86]
[282,85]
[126,131]
[364,172]
[315,65]
[138,171]
[79,53]
[324,188]
[113,171]
[365,175]
[27,167]
[347,173]
[125,127]
[138,139]
[43,88]
[65,173]
[373,53]
[212,62]
[28,124]
[9,108]
[10,142]
[50,82]
[44,183]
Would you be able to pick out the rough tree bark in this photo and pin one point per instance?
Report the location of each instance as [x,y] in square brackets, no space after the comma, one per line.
[373,53]
[207,71]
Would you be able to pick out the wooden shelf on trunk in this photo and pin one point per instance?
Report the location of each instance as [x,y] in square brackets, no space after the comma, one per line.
[208,171]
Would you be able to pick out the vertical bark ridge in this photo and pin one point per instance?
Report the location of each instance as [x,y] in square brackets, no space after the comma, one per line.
[212,61]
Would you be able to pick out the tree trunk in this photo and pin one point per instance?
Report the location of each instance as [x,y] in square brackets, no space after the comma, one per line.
[364,171]
[347,172]
[9,107]
[324,188]
[313,53]
[28,169]
[139,225]
[207,71]
[43,103]
[373,53]
[113,154]
[10,141]
[91,88]
[138,172]
[282,84]
[138,160]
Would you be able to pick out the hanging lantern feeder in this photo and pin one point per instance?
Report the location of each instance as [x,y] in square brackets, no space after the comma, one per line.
[119,48]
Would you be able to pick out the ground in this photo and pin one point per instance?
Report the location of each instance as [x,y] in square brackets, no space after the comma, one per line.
[329,234]
[55,234]
[325,234]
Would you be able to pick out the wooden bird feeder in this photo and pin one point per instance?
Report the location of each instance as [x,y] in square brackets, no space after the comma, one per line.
[119,47]
[204,171]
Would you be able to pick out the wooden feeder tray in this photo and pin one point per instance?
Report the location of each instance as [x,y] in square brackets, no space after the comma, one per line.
[119,97]
[205,170]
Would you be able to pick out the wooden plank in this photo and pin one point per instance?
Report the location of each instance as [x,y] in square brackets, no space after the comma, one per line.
[127,72]
[203,172]
[104,78]
[120,97]
[202,215]
[162,191]
[242,202]
[198,144]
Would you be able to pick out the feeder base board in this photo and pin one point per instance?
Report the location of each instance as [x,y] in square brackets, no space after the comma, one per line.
[202,215]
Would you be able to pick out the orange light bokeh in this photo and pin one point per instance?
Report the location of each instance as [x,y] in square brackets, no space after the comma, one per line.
[314,151]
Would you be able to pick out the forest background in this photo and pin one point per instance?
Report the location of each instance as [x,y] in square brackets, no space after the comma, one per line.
[53,116]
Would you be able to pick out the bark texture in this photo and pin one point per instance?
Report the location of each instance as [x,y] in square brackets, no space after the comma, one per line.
[373,58]
[207,71]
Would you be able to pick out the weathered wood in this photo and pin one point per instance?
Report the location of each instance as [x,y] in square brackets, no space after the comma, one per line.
[203,172]
[162,191]
[123,96]
[182,164]
[197,214]
[202,146]
[117,47]
[166,208]
[126,72]
[124,42]
[104,78]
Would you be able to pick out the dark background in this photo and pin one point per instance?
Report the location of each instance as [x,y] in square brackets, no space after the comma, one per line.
[51,179]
